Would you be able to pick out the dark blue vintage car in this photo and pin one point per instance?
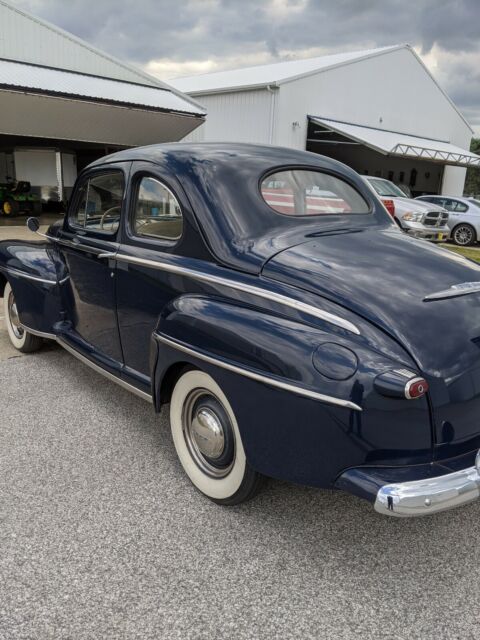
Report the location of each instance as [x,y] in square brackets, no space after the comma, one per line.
[268,297]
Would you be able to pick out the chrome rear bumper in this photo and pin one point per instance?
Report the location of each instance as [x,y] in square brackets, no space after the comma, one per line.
[429,495]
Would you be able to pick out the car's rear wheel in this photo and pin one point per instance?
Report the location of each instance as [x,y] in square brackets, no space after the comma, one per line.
[208,442]
[10,207]
[19,337]
[464,235]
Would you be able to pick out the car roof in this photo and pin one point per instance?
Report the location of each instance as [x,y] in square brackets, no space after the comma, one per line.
[221,182]
[440,195]
[220,152]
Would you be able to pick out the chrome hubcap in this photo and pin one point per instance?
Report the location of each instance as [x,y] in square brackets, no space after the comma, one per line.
[13,317]
[208,433]
[463,235]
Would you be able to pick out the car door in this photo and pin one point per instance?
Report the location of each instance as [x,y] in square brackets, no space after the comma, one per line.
[87,243]
[160,228]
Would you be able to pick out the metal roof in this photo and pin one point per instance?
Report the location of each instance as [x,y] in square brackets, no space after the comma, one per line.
[27,77]
[270,74]
[401,144]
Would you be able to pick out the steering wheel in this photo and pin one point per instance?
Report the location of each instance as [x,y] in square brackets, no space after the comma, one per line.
[107,212]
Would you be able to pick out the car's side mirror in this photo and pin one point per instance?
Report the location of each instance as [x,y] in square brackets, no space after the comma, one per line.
[33,224]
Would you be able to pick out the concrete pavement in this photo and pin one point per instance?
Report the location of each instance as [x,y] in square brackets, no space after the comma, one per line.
[102,536]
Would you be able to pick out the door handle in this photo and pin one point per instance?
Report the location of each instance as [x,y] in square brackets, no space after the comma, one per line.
[109,255]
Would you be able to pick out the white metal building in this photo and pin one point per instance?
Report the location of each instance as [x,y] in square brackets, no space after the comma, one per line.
[64,103]
[380,111]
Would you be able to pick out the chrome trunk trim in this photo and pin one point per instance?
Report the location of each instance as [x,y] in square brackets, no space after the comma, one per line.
[463,289]
[247,288]
[258,377]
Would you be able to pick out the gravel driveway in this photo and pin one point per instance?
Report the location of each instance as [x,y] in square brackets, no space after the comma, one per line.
[102,536]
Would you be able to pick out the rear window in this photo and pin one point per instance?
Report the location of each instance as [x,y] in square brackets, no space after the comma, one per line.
[311,193]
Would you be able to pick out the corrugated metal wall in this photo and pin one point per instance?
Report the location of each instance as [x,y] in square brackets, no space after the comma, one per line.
[27,39]
[391,91]
[242,116]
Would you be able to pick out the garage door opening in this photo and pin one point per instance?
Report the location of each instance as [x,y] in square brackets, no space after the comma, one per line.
[37,176]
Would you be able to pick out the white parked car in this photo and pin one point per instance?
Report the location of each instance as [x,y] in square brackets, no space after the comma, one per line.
[463,217]
[418,219]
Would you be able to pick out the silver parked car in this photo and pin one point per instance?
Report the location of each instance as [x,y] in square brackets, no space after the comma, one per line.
[418,219]
[464,217]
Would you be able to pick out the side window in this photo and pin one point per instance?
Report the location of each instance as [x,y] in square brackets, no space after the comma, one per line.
[99,203]
[461,207]
[448,204]
[157,213]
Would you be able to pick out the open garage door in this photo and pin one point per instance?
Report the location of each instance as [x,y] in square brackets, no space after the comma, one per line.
[411,161]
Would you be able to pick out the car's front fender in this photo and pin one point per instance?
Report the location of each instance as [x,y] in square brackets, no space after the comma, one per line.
[34,273]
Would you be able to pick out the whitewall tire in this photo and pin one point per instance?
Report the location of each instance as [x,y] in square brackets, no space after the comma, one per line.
[21,339]
[208,442]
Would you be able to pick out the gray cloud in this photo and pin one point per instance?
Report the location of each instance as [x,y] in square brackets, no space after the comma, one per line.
[199,30]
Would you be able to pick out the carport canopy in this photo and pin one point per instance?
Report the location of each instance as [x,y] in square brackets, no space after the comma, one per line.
[397,144]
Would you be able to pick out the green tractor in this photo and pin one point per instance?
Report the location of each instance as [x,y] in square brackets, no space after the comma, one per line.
[16,197]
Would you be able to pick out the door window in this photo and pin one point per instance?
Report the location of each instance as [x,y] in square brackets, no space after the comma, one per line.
[157,212]
[99,203]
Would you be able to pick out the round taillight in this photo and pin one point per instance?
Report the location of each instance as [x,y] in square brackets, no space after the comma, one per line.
[416,388]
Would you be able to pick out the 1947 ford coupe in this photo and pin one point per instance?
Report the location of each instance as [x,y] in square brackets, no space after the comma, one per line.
[268,297]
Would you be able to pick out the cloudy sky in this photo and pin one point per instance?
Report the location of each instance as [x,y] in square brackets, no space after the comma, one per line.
[171,39]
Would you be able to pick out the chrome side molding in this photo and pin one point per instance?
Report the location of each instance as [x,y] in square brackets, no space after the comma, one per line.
[40,334]
[103,372]
[255,375]
[246,288]
[27,276]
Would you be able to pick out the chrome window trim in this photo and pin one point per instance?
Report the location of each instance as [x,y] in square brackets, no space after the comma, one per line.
[247,288]
[258,377]
[86,248]
[103,372]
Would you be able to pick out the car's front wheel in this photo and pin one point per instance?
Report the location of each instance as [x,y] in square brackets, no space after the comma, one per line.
[464,235]
[208,442]
[19,337]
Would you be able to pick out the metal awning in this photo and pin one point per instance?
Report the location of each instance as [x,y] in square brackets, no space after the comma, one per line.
[400,144]
[55,104]
[70,84]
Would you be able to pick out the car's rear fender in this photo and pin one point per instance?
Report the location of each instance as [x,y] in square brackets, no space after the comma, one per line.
[265,365]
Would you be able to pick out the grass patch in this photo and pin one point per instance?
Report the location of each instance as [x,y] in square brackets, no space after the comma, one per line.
[468,252]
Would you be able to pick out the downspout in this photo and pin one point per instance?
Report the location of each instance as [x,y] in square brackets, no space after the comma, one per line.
[272,89]
[59,168]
